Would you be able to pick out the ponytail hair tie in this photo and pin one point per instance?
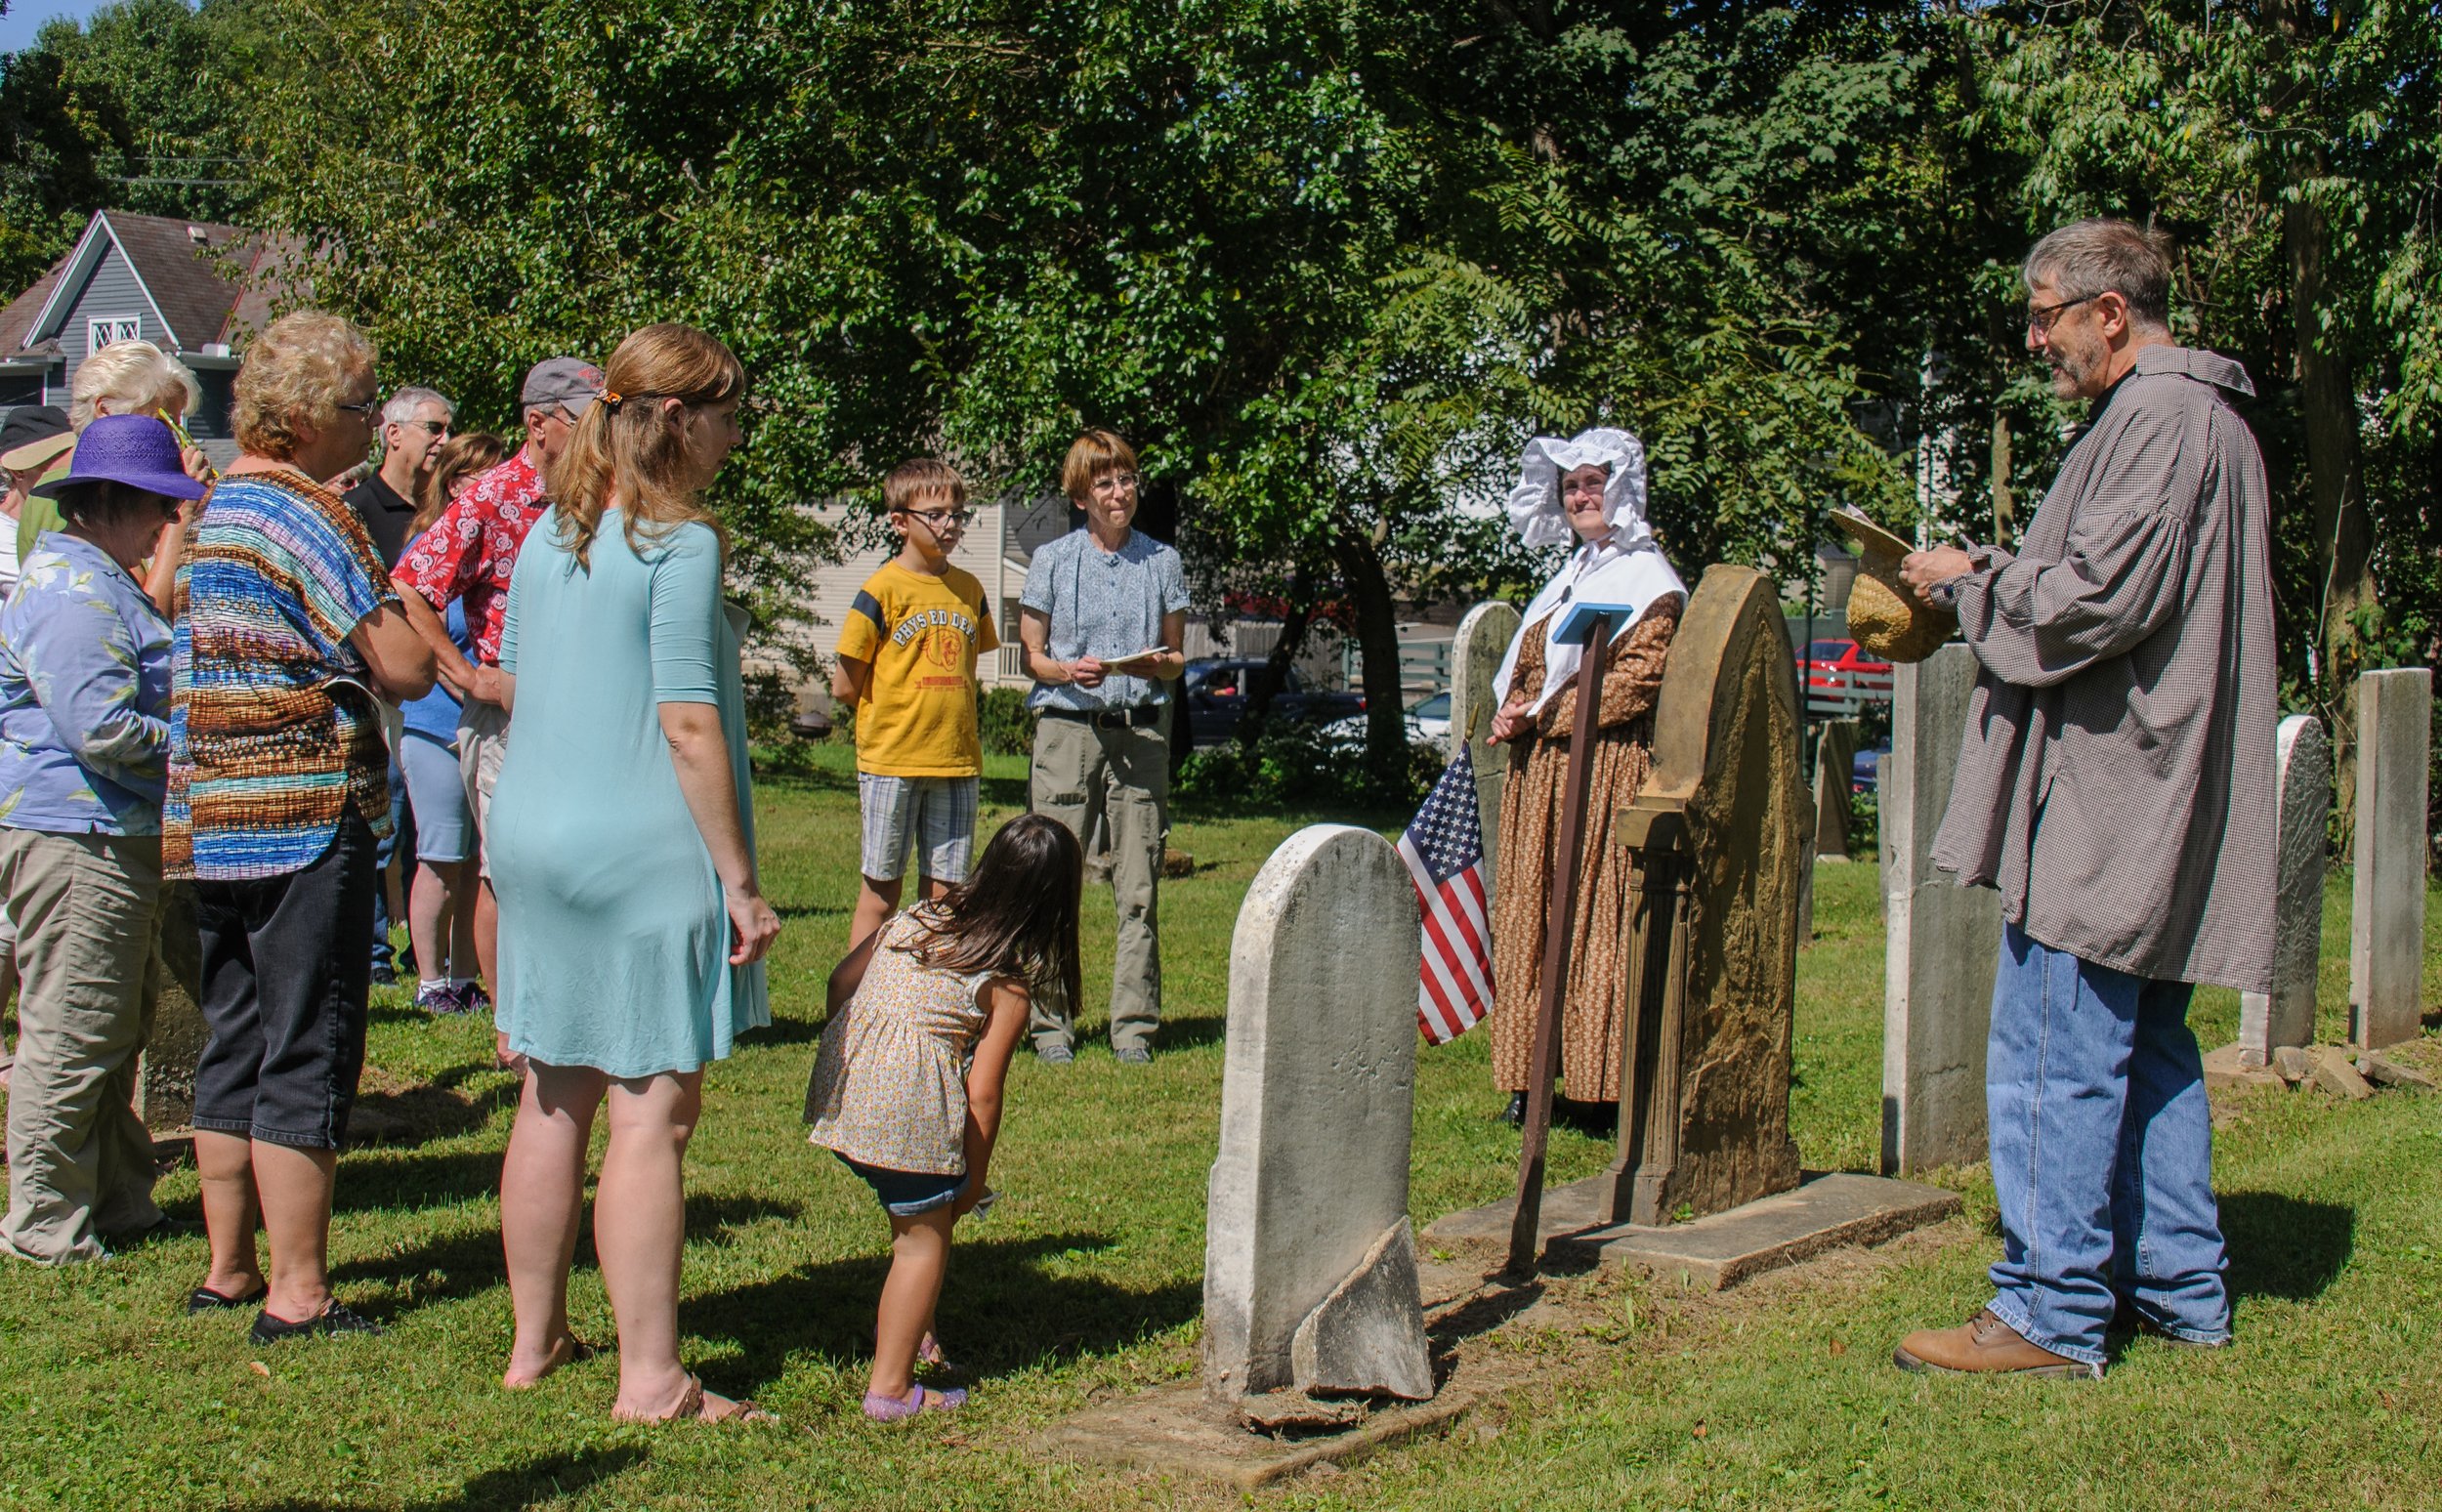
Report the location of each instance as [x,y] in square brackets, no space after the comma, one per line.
[612,398]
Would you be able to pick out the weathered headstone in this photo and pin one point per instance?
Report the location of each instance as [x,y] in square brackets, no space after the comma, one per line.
[1836,754]
[1721,834]
[1308,1256]
[1475,653]
[2388,912]
[1943,940]
[165,1075]
[2285,1016]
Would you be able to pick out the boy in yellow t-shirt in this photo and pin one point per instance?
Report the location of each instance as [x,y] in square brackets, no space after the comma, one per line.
[906,665]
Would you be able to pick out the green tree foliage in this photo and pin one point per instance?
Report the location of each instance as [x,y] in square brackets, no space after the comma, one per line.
[1329,265]
[136,110]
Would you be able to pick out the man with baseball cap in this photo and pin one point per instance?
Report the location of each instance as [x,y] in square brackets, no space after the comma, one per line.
[468,552]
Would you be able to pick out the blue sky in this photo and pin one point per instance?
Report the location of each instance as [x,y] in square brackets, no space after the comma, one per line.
[25,17]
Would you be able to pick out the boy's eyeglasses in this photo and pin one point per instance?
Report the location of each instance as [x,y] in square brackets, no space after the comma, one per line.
[938,519]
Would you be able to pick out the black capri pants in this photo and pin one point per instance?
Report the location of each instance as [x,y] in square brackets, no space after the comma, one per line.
[286,976]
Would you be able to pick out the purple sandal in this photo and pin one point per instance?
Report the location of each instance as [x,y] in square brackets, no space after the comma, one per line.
[919,1399]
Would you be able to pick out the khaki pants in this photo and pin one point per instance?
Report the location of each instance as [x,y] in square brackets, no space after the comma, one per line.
[483,745]
[1121,775]
[88,915]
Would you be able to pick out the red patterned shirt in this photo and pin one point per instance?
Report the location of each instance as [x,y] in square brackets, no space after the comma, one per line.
[471,550]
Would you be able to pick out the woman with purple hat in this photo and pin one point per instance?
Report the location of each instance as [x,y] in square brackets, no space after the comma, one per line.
[84,741]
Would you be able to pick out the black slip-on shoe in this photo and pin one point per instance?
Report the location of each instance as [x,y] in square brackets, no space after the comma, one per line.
[338,1318]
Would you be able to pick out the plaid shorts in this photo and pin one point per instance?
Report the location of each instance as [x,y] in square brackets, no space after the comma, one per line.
[937,814]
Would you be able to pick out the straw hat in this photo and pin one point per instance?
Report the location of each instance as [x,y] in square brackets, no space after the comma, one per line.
[1884,618]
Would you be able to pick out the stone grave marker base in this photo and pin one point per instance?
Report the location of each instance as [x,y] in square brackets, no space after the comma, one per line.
[1179,1430]
[2228,1066]
[1825,1211]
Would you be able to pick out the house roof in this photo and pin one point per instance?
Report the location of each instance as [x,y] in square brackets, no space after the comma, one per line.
[207,282]
[18,319]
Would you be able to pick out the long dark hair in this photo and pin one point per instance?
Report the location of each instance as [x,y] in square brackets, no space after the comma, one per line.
[1015,915]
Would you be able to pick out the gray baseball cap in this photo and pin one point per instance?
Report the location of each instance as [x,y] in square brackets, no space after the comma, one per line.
[562,382]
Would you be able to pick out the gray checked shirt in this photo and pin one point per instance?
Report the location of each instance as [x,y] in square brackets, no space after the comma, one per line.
[1106,604]
[2117,779]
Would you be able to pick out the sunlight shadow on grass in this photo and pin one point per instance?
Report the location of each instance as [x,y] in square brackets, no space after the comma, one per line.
[550,1479]
[1002,1310]
[2285,1247]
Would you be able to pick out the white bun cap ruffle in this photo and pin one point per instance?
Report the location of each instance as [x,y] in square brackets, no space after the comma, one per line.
[1535,507]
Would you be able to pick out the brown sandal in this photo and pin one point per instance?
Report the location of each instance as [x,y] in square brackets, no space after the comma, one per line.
[691,1405]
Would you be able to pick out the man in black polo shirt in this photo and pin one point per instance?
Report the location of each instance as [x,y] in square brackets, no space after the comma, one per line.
[414,424]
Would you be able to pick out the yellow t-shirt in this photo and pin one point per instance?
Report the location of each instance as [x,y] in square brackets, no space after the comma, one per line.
[921,635]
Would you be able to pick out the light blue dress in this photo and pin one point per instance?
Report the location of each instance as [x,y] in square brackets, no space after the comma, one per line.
[614,941]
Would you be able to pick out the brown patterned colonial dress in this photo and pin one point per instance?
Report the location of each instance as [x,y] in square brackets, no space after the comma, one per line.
[1595,1009]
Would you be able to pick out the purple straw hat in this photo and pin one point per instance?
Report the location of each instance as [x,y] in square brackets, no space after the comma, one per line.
[137,450]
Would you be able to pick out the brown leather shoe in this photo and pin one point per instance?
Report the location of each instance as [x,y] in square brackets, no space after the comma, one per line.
[1982,1345]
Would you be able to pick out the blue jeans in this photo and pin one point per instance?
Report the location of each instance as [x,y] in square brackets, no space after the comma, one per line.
[2102,1154]
[386,848]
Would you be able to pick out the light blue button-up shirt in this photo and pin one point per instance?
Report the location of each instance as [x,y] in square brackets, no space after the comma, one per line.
[84,697]
[1104,603]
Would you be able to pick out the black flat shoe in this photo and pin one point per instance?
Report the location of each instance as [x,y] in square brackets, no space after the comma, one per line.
[1515,1113]
[205,1300]
[338,1318]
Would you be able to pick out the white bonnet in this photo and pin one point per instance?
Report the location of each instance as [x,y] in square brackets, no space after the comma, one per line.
[1535,507]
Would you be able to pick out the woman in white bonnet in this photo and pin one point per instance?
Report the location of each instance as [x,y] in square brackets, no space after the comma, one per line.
[1589,491]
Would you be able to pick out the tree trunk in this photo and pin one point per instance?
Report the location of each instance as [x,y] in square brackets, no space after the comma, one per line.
[1273,675]
[2004,499]
[2344,538]
[1377,638]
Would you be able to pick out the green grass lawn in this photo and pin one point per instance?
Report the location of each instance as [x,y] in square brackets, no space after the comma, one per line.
[1086,1281]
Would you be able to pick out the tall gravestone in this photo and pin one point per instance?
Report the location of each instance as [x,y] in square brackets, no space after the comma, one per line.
[2285,1016]
[1943,940]
[1720,838]
[1310,1267]
[2388,912]
[1475,654]
[1836,756]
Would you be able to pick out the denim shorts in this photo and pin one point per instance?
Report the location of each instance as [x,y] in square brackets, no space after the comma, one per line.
[445,826]
[907,1194]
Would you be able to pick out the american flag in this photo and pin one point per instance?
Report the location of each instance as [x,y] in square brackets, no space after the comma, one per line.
[1444,849]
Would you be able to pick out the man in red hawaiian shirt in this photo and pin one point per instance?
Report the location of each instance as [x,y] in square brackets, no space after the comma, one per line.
[468,553]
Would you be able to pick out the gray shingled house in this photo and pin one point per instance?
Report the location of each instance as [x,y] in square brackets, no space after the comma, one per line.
[188,287]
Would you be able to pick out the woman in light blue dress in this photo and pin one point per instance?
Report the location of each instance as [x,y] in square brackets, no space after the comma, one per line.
[621,842]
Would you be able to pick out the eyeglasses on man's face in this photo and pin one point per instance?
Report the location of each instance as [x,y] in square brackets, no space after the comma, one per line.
[438,430]
[2040,319]
[942,519]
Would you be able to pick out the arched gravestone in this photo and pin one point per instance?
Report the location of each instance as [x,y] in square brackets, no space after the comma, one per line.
[1720,833]
[1475,654]
[1310,1266]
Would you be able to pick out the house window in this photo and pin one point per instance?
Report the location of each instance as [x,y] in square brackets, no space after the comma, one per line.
[101,333]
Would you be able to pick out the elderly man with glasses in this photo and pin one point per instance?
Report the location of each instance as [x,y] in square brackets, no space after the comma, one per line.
[2116,785]
[414,424]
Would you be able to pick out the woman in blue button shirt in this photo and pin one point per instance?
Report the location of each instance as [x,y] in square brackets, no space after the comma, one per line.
[1096,600]
[84,741]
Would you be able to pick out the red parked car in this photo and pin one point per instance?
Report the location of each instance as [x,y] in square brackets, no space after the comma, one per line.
[1839,676]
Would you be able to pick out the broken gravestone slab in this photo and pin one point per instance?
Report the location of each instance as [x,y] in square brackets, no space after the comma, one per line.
[1318,1096]
[1367,1338]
